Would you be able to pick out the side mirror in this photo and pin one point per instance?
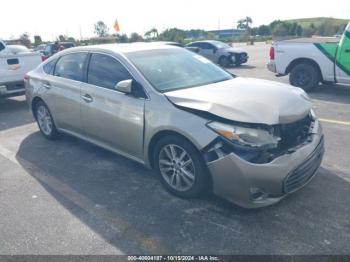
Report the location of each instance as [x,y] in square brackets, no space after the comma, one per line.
[124,86]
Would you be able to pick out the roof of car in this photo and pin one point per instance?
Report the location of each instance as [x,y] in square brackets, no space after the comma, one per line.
[206,41]
[122,48]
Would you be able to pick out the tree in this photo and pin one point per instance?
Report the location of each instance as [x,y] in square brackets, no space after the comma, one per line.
[135,37]
[280,29]
[70,39]
[61,38]
[122,38]
[263,30]
[37,40]
[310,30]
[173,34]
[24,39]
[152,34]
[240,24]
[101,29]
[244,23]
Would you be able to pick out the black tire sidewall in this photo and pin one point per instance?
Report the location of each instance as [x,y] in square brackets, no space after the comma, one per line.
[201,184]
[224,61]
[54,134]
[311,70]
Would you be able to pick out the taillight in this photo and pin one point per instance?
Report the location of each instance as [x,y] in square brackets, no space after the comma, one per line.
[272,53]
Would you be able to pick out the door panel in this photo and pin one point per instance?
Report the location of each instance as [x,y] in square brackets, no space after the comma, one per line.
[343,60]
[109,116]
[62,90]
[63,98]
[207,51]
[113,118]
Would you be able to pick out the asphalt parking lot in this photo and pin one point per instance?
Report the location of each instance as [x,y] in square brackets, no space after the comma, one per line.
[71,197]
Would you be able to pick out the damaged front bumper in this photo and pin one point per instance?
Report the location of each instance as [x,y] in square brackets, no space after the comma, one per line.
[254,185]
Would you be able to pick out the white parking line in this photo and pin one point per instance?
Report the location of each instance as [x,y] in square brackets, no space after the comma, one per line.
[335,121]
[8,155]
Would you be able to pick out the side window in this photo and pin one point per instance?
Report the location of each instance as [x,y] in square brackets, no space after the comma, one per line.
[71,66]
[200,45]
[194,45]
[207,46]
[2,47]
[105,71]
[49,67]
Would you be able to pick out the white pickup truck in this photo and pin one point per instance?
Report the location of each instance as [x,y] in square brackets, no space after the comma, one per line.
[15,62]
[310,61]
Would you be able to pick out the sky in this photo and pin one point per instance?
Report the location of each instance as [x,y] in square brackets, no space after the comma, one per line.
[77,17]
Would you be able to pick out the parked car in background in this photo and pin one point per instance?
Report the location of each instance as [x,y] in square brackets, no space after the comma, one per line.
[309,61]
[193,49]
[220,53]
[53,48]
[251,141]
[15,62]
[17,49]
[40,48]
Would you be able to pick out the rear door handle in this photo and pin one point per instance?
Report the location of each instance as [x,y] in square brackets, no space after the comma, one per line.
[47,85]
[87,98]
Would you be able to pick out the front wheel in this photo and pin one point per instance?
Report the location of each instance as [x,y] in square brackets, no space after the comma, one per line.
[224,61]
[305,76]
[181,168]
[45,121]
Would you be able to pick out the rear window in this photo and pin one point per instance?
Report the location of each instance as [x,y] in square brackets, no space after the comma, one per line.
[49,67]
[68,45]
[71,66]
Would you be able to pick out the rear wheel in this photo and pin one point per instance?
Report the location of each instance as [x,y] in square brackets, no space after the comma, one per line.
[181,168]
[305,76]
[45,121]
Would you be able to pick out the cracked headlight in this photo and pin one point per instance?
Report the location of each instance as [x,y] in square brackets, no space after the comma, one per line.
[245,136]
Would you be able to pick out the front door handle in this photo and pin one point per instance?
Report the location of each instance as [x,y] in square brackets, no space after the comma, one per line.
[87,98]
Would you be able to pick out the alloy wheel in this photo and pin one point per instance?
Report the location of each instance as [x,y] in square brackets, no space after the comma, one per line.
[177,167]
[44,120]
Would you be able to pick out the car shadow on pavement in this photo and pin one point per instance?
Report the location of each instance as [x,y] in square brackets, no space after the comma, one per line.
[14,113]
[332,93]
[125,204]
[244,66]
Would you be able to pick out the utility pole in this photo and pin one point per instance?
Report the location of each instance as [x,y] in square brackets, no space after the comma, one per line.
[81,36]
[218,34]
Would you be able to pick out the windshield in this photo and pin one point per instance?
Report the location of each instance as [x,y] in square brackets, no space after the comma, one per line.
[172,69]
[220,45]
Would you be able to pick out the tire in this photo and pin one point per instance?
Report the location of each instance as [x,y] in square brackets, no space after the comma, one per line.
[45,121]
[305,76]
[177,179]
[224,61]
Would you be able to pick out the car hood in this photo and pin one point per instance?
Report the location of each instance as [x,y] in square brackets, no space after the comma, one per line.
[234,50]
[246,100]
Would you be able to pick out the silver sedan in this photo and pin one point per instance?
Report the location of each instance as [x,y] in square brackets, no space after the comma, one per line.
[200,128]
